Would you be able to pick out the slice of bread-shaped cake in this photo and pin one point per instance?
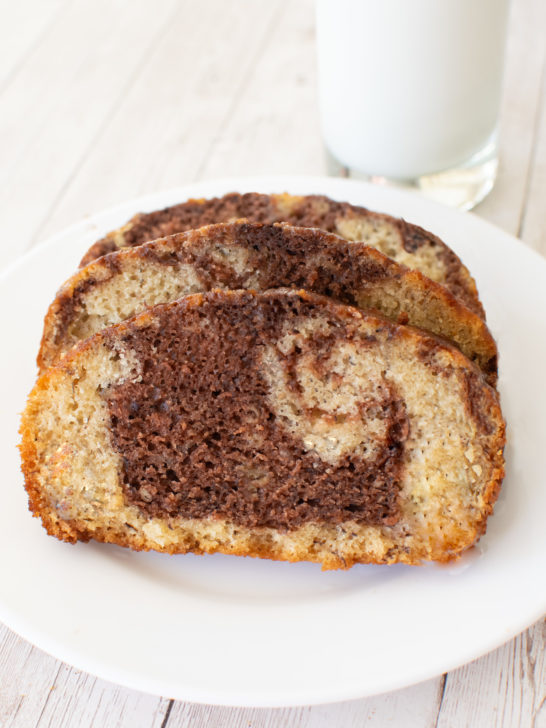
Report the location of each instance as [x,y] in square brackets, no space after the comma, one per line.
[278,424]
[406,243]
[257,256]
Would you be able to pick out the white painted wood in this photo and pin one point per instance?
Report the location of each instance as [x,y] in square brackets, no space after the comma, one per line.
[38,690]
[505,689]
[533,228]
[103,101]
[524,63]
[27,675]
[417,705]
[78,699]
[275,133]
[65,92]
[163,129]
[21,32]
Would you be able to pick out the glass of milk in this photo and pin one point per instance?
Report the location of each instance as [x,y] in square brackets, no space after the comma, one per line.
[410,91]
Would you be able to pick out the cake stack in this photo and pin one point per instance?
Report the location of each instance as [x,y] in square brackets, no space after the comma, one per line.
[267,375]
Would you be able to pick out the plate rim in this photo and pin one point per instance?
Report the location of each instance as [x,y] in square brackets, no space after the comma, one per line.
[146,684]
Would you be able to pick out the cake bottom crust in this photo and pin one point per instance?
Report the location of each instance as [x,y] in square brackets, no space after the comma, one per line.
[334,547]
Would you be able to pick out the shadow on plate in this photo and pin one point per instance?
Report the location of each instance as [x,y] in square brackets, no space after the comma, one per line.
[244,579]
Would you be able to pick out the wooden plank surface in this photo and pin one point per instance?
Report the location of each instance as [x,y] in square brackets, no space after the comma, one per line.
[164,126]
[533,219]
[505,688]
[278,133]
[512,195]
[49,113]
[103,101]
[418,705]
[23,33]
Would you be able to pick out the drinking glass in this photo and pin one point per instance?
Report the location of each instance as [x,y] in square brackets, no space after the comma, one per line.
[410,90]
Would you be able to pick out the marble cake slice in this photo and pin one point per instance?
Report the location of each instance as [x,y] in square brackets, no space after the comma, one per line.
[257,256]
[280,424]
[406,243]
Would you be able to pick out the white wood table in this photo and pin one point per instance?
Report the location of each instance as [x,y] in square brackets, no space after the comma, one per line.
[103,101]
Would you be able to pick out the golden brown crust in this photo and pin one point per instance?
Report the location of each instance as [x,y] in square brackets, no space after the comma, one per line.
[404,242]
[263,256]
[483,411]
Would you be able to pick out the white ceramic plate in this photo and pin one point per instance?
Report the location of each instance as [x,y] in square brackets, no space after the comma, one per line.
[234,631]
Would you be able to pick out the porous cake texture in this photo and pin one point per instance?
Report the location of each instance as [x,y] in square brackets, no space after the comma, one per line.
[405,243]
[258,256]
[278,424]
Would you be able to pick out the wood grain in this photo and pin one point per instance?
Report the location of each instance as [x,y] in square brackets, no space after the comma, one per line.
[418,705]
[263,135]
[23,32]
[49,117]
[27,676]
[526,51]
[174,116]
[533,224]
[505,688]
[38,690]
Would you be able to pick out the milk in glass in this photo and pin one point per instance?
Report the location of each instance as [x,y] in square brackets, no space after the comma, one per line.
[409,87]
